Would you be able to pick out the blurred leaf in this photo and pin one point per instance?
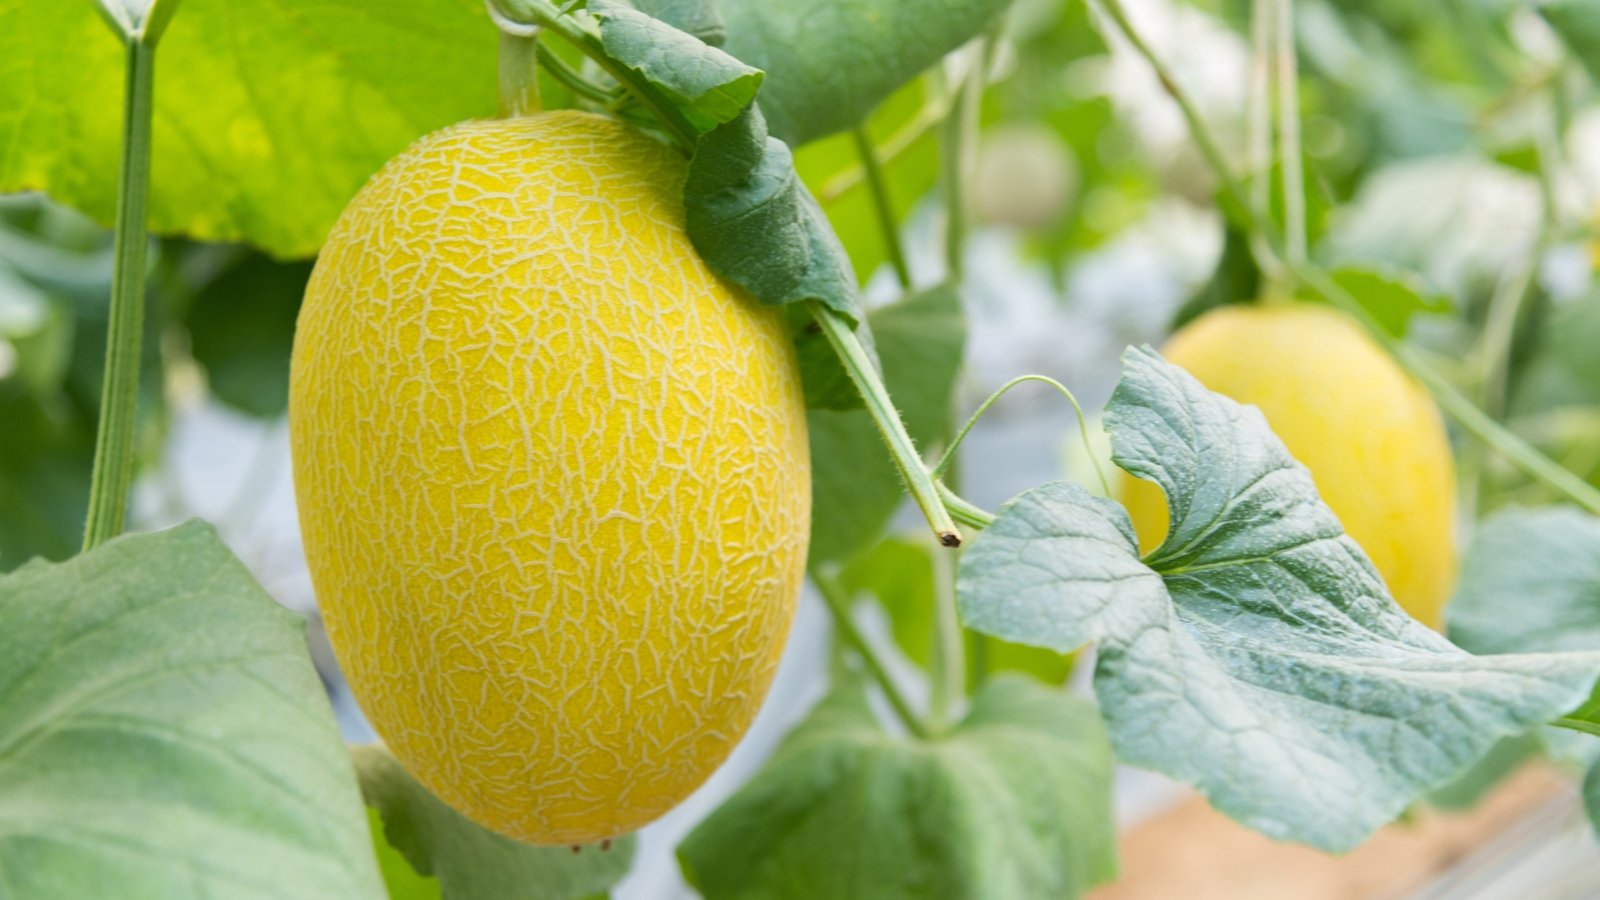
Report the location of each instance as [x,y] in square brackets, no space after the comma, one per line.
[1236,279]
[899,574]
[1468,790]
[1459,222]
[855,488]
[1391,296]
[832,168]
[45,463]
[471,862]
[241,328]
[830,62]
[1530,582]
[1013,804]
[1578,23]
[166,735]
[268,119]
[402,881]
[1256,653]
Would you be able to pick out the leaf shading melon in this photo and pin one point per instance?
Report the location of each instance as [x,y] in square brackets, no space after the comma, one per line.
[552,475]
[1371,436]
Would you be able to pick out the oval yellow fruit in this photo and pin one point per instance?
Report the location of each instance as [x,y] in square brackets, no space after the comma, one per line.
[552,475]
[1371,436]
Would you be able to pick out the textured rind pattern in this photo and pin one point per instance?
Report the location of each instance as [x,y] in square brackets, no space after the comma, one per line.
[1372,437]
[552,475]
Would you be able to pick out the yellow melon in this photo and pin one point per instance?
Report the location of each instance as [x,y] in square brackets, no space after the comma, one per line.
[1371,436]
[552,475]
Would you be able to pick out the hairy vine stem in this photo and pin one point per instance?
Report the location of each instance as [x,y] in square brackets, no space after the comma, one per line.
[116,430]
[1312,277]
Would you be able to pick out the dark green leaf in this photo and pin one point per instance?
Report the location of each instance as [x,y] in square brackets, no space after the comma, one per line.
[1256,653]
[1236,279]
[698,17]
[402,881]
[471,862]
[707,85]
[241,329]
[1014,804]
[755,224]
[165,734]
[829,62]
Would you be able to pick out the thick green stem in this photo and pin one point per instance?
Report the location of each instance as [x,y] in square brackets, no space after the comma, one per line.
[584,36]
[965,512]
[1459,408]
[947,662]
[839,605]
[519,72]
[114,442]
[882,204]
[847,345]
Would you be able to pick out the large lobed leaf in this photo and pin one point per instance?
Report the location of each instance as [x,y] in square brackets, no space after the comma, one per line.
[163,734]
[471,862]
[268,116]
[1013,804]
[1256,653]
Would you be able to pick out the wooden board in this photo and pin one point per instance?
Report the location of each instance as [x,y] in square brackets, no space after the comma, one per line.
[1192,852]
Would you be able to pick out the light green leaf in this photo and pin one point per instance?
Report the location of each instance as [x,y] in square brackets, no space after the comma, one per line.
[707,85]
[855,488]
[1391,296]
[755,224]
[164,734]
[1530,582]
[1014,803]
[269,116]
[829,62]
[1256,653]
[471,862]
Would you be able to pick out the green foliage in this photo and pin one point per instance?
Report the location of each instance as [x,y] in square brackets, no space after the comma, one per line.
[899,574]
[256,103]
[854,486]
[755,224]
[830,62]
[1530,581]
[1578,23]
[165,733]
[1391,297]
[241,329]
[831,167]
[470,862]
[1013,803]
[708,86]
[1256,653]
